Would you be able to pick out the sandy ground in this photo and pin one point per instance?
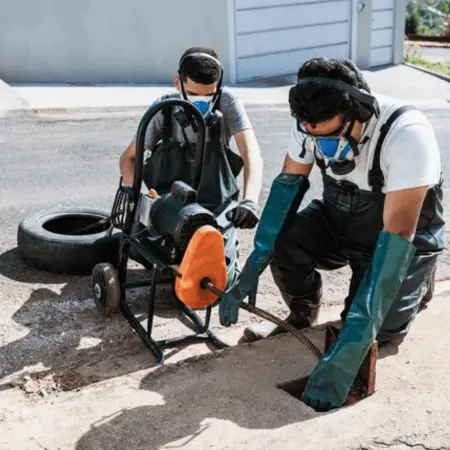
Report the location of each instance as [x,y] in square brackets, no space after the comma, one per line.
[230,399]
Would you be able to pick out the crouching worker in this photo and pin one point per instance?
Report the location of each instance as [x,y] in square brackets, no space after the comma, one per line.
[381,213]
[199,81]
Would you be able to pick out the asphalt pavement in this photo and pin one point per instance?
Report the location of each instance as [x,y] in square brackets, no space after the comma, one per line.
[74,160]
[433,54]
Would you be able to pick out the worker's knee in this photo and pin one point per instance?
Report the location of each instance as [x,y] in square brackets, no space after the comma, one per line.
[408,301]
[397,324]
[303,285]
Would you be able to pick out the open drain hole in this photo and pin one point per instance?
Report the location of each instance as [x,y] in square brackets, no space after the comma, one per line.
[294,387]
[363,385]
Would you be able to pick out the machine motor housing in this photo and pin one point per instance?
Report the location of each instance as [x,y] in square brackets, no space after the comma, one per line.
[175,215]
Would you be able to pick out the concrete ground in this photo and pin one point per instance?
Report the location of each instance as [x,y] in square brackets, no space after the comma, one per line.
[70,379]
[401,81]
[230,400]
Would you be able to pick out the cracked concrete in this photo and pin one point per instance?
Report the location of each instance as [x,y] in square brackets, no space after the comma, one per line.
[402,444]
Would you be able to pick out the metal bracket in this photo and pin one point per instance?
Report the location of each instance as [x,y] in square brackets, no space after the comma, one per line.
[157,267]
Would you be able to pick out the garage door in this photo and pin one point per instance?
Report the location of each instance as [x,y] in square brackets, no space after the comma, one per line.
[382,40]
[275,38]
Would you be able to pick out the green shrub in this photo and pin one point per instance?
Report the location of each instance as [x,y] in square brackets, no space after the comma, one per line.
[412,22]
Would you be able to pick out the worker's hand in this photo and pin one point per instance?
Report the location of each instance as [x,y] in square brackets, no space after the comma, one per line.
[316,402]
[232,299]
[244,214]
[327,386]
[331,381]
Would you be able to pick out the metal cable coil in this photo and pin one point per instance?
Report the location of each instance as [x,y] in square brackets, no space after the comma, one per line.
[286,326]
[206,284]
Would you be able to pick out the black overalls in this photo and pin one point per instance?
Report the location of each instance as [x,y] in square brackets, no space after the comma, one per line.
[342,228]
[218,192]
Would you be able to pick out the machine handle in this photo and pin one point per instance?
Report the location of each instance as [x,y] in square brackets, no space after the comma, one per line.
[140,141]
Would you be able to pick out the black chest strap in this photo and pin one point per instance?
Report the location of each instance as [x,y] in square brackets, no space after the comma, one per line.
[215,127]
[376,178]
[167,124]
[214,130]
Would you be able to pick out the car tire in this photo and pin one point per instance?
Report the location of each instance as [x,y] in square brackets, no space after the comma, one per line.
[45,241]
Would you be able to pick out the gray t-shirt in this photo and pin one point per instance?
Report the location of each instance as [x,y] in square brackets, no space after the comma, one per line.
[235,119]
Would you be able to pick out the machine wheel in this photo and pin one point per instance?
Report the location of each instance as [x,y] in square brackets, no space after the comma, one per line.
[46,240]
[106,289]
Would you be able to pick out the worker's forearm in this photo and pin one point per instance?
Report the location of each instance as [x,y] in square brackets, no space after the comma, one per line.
[295,168]
[253,176]
[127,171]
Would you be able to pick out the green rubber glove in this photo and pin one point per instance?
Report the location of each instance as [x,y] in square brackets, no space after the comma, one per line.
[284,199]
[333,377]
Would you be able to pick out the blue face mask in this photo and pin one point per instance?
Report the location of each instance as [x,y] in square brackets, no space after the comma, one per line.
[334,149]
[202,103]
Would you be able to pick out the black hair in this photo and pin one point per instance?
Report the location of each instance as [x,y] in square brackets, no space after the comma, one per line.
[315,103]
[200,69]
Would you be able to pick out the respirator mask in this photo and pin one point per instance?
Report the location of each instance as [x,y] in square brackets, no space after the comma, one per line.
[339,149]
[206,104]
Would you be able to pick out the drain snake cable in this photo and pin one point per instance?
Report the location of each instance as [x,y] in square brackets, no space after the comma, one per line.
[206,284]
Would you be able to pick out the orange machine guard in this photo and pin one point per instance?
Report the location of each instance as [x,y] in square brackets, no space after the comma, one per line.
[204,258]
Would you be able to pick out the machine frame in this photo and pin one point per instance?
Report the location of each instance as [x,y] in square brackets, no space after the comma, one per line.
[110,284]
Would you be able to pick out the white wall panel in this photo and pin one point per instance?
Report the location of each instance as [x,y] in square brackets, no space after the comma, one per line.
[382,39]
[275,38]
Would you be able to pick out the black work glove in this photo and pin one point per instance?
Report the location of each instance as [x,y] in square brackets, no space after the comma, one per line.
[128,190]
[244,214]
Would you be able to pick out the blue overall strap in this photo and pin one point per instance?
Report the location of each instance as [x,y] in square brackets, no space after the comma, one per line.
[167,124]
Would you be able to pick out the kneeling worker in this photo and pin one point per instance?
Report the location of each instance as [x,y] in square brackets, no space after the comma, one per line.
[199,81]
[381,213]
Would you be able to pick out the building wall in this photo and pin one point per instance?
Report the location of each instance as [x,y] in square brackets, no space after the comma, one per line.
[276,37]
[383,24]
[380,29]
[102,41]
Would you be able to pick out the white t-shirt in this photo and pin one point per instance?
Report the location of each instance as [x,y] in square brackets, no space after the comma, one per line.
[409,156]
